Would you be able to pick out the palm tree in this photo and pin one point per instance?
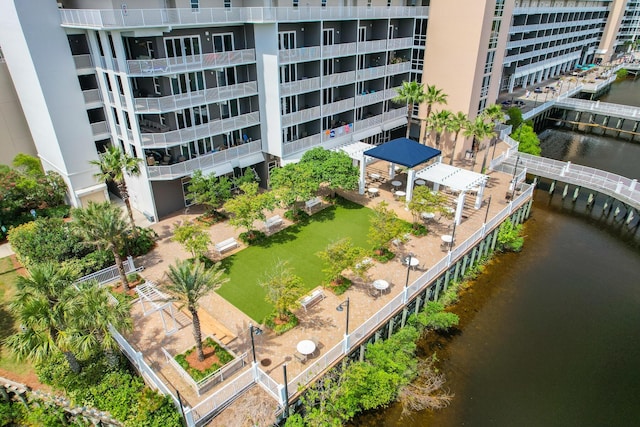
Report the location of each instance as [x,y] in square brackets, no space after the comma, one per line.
[458,122]
[114,164]
[410,93]
[96,310]
[433,95]
[103,225]
[479,130]
[493,114]
[188,283]
[439,123]
[41,304]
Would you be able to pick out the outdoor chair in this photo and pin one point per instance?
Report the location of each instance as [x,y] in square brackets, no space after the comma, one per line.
[300,357]
[316,341]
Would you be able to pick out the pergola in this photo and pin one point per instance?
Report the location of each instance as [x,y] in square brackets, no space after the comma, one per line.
[158,301]
[457,179]
[401,151]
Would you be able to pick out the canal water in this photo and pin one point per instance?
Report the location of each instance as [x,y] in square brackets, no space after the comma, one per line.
[549,336]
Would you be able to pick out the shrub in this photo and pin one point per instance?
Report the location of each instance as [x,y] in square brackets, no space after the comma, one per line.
[510,237]
[223,355]
[252,237]
[281,328]
[143,244]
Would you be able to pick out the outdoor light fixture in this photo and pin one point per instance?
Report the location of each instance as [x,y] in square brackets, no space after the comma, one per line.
[410,255]
[513,180]
[254,331]
[341,307]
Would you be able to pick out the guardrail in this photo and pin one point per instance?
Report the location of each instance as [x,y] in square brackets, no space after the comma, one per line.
[110,274]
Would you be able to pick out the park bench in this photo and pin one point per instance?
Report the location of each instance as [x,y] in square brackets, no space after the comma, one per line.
[230,243]
[274,221]
[312,298]
[310,204]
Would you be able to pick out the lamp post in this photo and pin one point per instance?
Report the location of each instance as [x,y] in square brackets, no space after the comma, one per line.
[486,215]
[257,331]
[513,180]
[453,235]
[345,304]
[409,258]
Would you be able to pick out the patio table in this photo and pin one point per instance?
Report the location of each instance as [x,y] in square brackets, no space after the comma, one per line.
[381,285]
[306,347]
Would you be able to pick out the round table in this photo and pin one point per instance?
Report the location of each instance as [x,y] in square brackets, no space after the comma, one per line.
[427,215]
[306,347]
[400,194]
[414,261]
[420,182]
[396,184]
[447,238]
[449,210]
[374,191]
[381,285]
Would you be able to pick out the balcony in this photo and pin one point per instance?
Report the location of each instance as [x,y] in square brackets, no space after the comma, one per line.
[100,130]
[231,155]
[215,127]
[207,96]
[338,79]
[92,98]
[342,49]
[301,144]
[183,64]
[399,68]
[299,55]
[338,107]
[373,72]
[301,116]
[83,63]
[373,97]
[300,86]
[170,17]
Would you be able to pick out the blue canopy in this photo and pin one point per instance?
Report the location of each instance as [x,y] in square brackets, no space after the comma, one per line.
[403,151]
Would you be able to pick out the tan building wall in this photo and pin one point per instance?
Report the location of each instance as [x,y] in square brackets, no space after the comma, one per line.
[15,137]
[606,49]
[458,36]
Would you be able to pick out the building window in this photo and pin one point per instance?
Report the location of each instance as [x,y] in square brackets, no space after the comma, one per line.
[324,3]
[227,4]
[388,3]
[369,3]
[195,5]
[295,3]
[488,65]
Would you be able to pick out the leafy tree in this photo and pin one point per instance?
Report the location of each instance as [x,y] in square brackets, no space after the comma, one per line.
[425,200]
[249,206]
[434,317]
[192,237]
[209,190]
[28,164]
[622,74]
[294,183]
[457,123]
[103,225]
[510,236]
[433,96]
[188,283]
[283,289]
[114,164]
[42,305]
[410,94]
[492,114]
[334,168]
[528,140]
[384,226]
[515,117]
[339,256]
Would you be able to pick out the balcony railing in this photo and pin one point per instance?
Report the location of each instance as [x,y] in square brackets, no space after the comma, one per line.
[301,144]
[215,127]
[206,161]
[341,49]
[136,18]
[401,43]
[182,64]
[92,96]
[300,86]
[301,116]
[339,79]
[299,55]
[372,98]
[338,106]
[83,62]
[372,72]
[401,67]
[99,129]
[207,96]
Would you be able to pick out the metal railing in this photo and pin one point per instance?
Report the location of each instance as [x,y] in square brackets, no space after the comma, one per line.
[206,161]
[372,98]
[301,144]
[214,127]
[338,106]
[300,86]
[220,398]
[298,55]
[597,107]
[183,64]
[110,274]
[92,96]
[99,128]
[82,61]
[207,96]
[301,116]
[128,18]
[340,49]
[338,79]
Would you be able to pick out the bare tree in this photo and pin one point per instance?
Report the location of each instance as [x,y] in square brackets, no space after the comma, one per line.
[426,392]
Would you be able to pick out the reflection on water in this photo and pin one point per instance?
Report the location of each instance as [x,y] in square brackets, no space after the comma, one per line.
[550,336]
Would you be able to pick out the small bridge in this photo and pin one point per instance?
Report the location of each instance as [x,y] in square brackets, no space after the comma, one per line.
[619,187]
[597,107]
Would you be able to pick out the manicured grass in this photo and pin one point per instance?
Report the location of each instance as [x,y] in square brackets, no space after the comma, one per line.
[8,326]
[298,244]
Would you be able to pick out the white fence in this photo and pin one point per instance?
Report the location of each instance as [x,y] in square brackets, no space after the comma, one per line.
[110,274]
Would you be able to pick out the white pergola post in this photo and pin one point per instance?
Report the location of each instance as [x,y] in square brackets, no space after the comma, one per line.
[392,170]
[479,195]
[459,208]
[410,177]
[363,167]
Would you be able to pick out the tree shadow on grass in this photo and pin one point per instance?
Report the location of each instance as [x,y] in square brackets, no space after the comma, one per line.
[7,323]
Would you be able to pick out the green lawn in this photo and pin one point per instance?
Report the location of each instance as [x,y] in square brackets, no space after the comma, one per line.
[298,244]
[8,276]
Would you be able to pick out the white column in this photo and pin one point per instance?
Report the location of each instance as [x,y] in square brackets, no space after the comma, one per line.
[363,167]
[410,177]
[392,170]
[459,208]
[478,203]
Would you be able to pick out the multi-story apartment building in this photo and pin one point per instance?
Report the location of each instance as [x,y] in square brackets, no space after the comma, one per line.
[225,85]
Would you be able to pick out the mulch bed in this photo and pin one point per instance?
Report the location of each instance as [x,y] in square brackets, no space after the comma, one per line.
[210,357]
